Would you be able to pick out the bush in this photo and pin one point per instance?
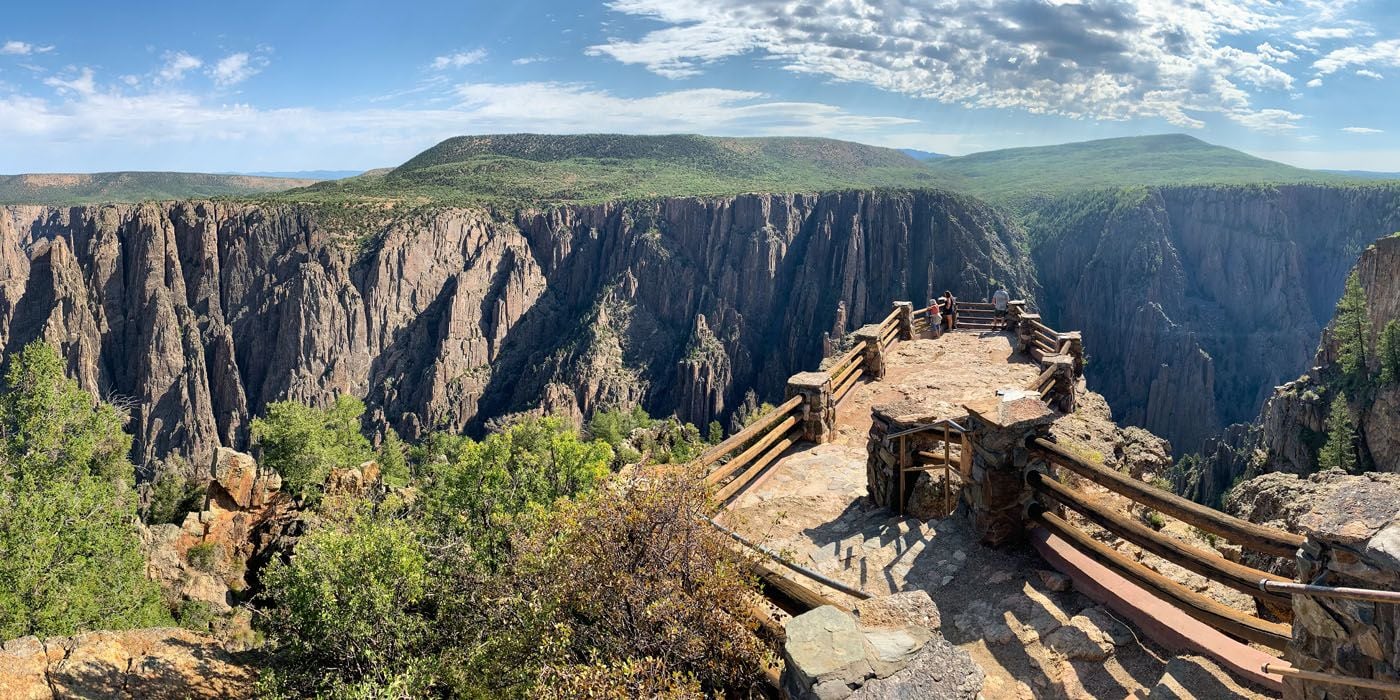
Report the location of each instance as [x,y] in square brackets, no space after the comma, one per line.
[172,496]
[348,609]
[303,444]
[69,555]
[1389,351]
[196,616]
[203,556]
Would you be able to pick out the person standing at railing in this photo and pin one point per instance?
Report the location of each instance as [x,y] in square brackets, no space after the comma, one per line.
[949,304]
[935,318]
[1000,298]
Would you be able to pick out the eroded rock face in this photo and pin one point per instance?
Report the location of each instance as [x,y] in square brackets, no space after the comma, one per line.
[164,663]
[1196,301]
[203,313]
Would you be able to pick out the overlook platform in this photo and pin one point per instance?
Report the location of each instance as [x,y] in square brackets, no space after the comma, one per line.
[1032,636]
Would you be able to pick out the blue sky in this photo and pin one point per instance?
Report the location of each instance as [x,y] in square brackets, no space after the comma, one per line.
[296,85]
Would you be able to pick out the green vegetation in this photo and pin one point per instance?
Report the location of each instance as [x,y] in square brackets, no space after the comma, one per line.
[1351,329]
[99,188]
[535,170]
[504,577]
[69,556]
[1389,351]
[172,496]
[1339,452]
[634,436]
[1022,176]
[204,556]
[303,443]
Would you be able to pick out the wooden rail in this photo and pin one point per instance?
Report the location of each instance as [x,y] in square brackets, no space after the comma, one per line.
[1212,566]
[733,465]
[1215,614]
[1257,537]
[756,467]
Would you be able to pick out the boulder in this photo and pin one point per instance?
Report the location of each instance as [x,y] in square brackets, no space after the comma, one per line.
[148,663]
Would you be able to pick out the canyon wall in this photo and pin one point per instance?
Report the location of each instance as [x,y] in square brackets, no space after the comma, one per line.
[196,315]
[1195,302]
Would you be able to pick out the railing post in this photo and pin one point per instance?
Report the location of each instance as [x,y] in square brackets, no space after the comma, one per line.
[817,415]
[905,319]
[1014,310]
[1076,349]
[873,359]
[888,480]
[1353,540]
[1062,395]
[1025,332]
[997,494]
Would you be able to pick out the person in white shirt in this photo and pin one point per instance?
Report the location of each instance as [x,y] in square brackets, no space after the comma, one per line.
[1000,299]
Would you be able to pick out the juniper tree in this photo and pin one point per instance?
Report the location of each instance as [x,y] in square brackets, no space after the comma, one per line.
[1339,451]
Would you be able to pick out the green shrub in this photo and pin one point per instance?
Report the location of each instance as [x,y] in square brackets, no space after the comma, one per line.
[203,556]
[1154,519]
[69,555]
[196,615]
[303,443]
[173,496]
[1389,350]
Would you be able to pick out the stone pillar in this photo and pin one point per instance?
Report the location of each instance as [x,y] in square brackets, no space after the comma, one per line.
[1025,335]
[1353,540]
[996,494]
[1062,396]
[874,358]
[1015,309]
[1076,350]
[905,319]
[818,411]
[923,492]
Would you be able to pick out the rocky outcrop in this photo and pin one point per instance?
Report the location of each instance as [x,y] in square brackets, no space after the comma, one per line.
[1196,301]
[199,314]
[1293,423]
[163,664]
[889,648]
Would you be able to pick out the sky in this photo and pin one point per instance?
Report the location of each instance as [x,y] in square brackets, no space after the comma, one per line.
[298,85]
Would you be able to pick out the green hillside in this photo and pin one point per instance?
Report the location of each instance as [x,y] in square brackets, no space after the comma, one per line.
[542,169]
[94,188]
[1020,176]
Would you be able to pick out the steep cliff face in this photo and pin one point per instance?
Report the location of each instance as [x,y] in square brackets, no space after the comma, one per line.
[200,314]
[1196,301]
[1292,425]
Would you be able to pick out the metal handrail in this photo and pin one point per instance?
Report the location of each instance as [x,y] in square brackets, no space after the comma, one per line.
[775,556]
[927,426]
[1367,594]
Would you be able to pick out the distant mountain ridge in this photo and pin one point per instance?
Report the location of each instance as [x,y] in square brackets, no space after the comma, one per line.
[128,187]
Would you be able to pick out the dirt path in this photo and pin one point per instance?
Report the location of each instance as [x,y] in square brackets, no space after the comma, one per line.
[1019,622]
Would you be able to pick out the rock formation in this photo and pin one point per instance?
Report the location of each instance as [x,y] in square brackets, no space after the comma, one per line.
[162,663]
[1292,424]
[199,314]
[1196,301]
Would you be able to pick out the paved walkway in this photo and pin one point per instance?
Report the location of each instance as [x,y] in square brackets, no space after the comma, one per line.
[1031,637]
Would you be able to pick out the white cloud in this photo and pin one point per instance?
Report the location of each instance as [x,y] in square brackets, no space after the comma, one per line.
[1315,34]
[527,60]
[83,85]
[177,65]
[1361,130]
[1112,60]
[459,59]
[22,48]
[1315,82]
[1380,53]
[1370,74]
[235,68]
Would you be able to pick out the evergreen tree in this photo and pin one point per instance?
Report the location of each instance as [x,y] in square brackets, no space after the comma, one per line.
[1390,352]
[1339,451]
[1352,330]
[69,555]
[303,443]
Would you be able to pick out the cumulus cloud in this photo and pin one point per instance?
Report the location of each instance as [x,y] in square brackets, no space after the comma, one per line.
[22,48]
[1381,53]
[459,59]
[84,85]
[1370,74]
[235,68]
[1109,60]
[176,66]
[1362,130]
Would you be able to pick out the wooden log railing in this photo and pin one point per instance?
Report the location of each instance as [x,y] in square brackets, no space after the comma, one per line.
[1271,634]
[1260,538]
[1208,564]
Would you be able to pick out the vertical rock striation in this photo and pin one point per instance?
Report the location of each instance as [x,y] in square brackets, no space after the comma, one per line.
[198,314]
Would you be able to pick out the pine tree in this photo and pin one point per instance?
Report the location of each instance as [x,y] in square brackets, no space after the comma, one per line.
[1352,330]
[1390,352]
[1339,451]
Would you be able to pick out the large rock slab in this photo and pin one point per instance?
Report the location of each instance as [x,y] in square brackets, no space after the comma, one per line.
[160,663]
